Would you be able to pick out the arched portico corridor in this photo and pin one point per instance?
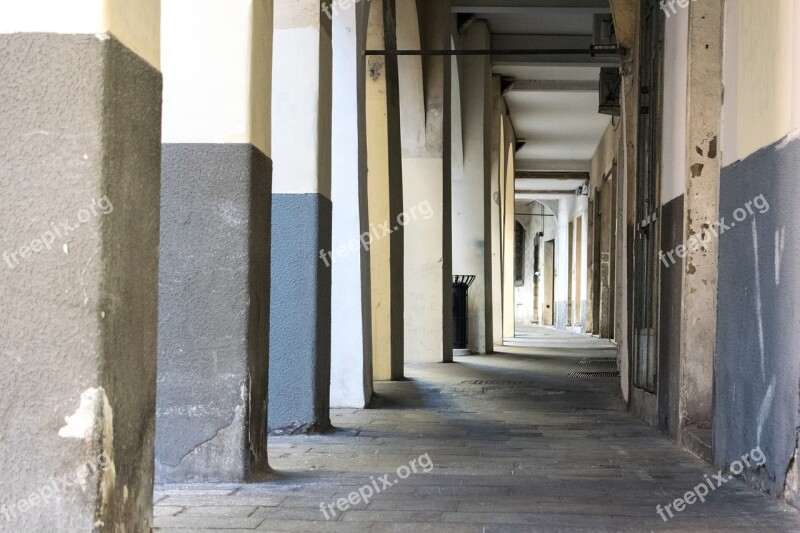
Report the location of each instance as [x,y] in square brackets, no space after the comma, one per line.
[511,444]
[247,245]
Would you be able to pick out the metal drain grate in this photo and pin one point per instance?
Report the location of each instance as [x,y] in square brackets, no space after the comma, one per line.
[512,383]
[593,375]
[598,361]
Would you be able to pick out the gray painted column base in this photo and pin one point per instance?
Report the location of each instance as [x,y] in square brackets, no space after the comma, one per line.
[213,313]
[79,184]
[300,335]
[561,314]
[757,370]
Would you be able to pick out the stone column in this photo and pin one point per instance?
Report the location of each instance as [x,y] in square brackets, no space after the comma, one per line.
[385,195]
[351,313]
[300,326]
[508,193]
[472,195]
[215,241]
[496,229]
[701,212]
[80,101]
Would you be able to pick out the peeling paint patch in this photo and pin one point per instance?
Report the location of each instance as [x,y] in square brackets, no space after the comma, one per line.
[712,148]
[80,424]
[697,170]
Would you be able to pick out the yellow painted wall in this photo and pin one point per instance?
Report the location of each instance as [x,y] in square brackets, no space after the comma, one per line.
[261,76]
[135,23]
[605,154]
[761,42]
[379,213]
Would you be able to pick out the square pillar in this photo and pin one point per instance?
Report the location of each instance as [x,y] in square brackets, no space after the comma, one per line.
[79,187]
[351,313]
[215,242]
[300,328]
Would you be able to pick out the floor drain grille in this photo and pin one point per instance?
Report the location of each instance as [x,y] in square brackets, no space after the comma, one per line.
[593,375]
[598,361]
[512,383]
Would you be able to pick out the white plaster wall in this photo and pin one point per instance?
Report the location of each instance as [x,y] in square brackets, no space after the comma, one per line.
[457,136]
[673,156]
[412,99]
[422,182]
[134,23]
[469,176]
[300,113]
[566,205]
[523,294]
[423,265]
[583,205]
[528,308]
[549,229]
[212,84]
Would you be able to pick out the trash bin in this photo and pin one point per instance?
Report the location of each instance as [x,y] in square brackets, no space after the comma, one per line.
[460,287]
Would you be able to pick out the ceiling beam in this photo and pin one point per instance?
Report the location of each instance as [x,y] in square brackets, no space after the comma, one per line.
[523,175]
[543,196]
[552,165]
[561,86]
[560,192]
[531,6]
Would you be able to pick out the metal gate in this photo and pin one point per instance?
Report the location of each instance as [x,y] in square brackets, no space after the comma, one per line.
[646,228]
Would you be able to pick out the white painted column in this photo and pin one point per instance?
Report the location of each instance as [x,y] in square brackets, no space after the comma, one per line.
[351,323]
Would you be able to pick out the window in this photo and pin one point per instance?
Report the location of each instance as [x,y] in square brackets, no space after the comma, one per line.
[519,254]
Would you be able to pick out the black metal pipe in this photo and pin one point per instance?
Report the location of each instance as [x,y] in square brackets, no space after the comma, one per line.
[531,52]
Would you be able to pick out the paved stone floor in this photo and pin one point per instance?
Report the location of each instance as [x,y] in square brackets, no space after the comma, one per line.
[516,445]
